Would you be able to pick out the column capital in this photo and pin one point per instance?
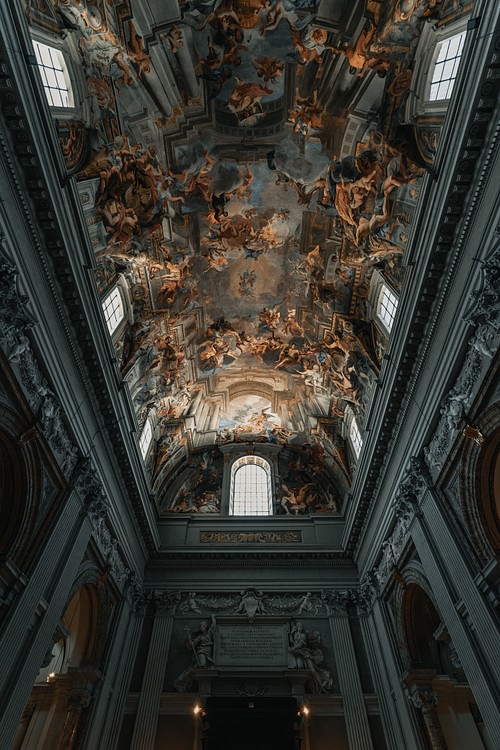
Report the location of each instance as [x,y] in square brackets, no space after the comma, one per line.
[336,602]
[165,602]
[425,700]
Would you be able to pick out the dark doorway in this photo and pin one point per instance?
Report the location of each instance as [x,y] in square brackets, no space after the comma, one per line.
[251,724]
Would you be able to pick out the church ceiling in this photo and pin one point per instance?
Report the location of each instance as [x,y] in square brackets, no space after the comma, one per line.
[247,176]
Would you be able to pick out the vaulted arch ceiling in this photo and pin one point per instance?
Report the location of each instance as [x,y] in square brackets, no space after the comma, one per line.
[249,180]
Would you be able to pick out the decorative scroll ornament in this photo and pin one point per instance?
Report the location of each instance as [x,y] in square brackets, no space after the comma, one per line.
[426,701]
[166,602]
[15,323]
[336,602]
[406,506]
[412,486]
[484,315]
[250,537]
[94,500]
[250,602]
[135,593]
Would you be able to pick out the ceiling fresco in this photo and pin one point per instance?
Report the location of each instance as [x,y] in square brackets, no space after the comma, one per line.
[246,173]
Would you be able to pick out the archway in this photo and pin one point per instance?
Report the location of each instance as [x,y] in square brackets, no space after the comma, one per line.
[66,682]
[437,684]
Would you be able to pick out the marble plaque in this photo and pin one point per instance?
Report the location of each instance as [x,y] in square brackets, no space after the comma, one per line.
[251,645]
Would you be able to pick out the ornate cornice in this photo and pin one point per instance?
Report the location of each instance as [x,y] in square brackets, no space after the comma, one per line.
[484,316]
[34,195]
[80,472]
[459,207]
[255,558]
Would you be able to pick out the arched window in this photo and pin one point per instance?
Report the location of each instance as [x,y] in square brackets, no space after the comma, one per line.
[251,493]
[54,74]
[386,307]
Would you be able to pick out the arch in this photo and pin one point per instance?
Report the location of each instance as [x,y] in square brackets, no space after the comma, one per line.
[480,484]
[80,638]
[415,592]
[420,620]
[20,486]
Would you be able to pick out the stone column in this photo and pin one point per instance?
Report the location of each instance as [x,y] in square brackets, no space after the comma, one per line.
[108,712]
[186,64]
[214,417]
[356,717]
[146,720]
[37,613]
[469,617]
[426,701]
[472,624]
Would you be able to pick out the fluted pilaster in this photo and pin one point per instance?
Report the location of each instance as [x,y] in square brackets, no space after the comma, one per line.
[356,717]
[149,702]
[42,604]
[108,713]
[477,639]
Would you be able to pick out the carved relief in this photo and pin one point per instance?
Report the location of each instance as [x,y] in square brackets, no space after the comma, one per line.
[484,316]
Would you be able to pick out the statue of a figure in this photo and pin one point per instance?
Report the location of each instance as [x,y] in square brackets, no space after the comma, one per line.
[202,644]
[306,653]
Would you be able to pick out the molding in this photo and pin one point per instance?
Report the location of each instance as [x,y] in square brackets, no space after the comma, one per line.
[50,192]
[484,316]
[456,207]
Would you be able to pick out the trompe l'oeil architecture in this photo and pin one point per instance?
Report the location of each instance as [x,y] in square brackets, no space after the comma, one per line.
[249,399]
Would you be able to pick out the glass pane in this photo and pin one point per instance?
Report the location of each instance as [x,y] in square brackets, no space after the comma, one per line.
[54,80]
[145,439]
[446,67]
[387,306]
[251,487]
[113,309]
[355,435]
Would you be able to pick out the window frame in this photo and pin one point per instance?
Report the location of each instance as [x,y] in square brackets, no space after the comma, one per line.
[355,437]
[147,429]
[435,62]
[113,292]
[57,52]
[418,102]
[385,289]
[68,48]
[262,464]
[122,286]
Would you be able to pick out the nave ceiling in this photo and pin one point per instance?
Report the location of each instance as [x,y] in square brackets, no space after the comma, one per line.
[248,175]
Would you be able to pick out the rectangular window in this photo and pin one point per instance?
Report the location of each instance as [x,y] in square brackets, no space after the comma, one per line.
[113,310]
[355,436]
[54,76]
[446,67]
[387,306]
[145,439]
